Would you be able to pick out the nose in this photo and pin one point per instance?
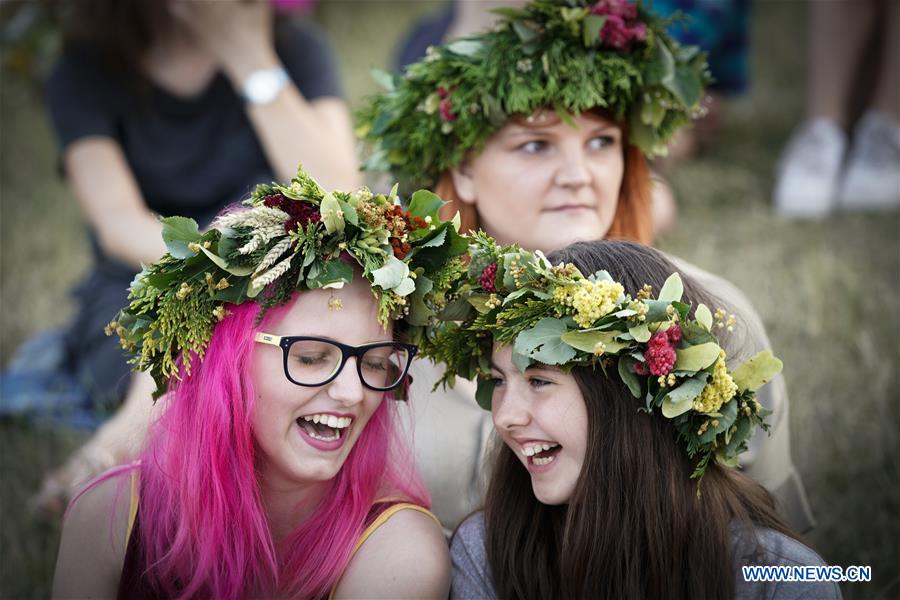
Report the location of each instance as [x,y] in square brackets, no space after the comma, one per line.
[346,388]
[510,411]
[573,171]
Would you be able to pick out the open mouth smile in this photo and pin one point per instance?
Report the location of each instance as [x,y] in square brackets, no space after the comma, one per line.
[539,454]
[324,431]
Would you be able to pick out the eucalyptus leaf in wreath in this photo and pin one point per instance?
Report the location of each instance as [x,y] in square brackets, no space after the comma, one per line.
[484,393]
[697,358]
[544,343]
[704,316]
[587,341]
[681,399]
[757,371]
[177,233]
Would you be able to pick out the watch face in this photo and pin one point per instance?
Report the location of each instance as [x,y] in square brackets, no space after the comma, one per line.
[261,87]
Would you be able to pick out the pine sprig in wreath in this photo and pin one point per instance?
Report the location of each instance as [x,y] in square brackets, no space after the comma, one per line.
[288,238]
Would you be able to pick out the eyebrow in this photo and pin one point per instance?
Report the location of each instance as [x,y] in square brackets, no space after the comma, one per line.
[524,131]
[533,366]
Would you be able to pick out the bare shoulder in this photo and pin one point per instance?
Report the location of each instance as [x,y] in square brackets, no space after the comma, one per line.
[406,557]
[92,548]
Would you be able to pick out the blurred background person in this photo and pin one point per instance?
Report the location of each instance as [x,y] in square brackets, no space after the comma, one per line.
[721,29]
[824,166]
[161,108]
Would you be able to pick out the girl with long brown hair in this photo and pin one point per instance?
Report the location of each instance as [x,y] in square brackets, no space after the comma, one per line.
[611,479]
[538,132]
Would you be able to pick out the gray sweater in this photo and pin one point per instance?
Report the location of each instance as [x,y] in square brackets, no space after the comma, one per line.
[471,577]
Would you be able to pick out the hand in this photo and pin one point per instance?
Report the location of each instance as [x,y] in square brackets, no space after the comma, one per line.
[118,441]
[60,485]
[237,33]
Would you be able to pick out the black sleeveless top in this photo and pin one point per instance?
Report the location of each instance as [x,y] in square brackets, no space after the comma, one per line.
[134,583]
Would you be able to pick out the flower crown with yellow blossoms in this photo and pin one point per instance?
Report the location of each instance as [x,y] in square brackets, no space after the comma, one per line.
[291,237]
[556,316]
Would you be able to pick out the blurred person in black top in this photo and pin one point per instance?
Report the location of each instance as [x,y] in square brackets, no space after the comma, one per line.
[174,107]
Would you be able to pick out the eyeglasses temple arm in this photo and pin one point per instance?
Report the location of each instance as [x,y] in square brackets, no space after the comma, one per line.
[268,338]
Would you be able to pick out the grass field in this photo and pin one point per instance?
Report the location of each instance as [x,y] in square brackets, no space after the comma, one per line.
[828,293]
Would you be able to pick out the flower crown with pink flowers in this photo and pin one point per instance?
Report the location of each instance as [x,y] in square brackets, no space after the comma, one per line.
[554,315]
[570,56]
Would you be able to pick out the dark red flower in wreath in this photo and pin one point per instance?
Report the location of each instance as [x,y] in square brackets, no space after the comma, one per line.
[488,275]
[447,111]
[274,201]
[674,334]
[299,213]
[446,106]
[401,249]
[621,27]
[660,354]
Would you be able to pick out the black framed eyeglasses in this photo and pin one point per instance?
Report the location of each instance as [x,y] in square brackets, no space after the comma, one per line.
[313,361]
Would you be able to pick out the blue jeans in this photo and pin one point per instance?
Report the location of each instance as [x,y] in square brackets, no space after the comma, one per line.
[38,388]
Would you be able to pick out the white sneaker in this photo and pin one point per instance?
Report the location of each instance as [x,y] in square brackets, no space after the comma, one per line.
[809,170]
[872,177]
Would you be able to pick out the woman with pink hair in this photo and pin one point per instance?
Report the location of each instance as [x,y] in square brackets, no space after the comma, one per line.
[275,468]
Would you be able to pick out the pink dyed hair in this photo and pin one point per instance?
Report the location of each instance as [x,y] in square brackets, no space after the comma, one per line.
[204,530]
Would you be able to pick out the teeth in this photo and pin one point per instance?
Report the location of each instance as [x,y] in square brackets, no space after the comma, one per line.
[329,420]
[542,460]
[315,435]
[538,448]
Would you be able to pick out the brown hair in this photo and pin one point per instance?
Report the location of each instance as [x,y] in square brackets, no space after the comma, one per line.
[632,220]
[122,31]
[635,526]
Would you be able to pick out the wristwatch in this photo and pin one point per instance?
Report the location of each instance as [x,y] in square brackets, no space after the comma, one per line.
[264,85]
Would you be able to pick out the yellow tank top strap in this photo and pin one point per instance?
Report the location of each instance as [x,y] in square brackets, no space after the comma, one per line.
[387,514]
[133,504]
[380,520]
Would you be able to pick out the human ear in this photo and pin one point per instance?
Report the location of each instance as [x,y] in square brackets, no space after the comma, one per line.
[464,182]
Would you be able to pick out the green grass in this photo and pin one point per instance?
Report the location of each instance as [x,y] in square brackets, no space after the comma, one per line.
[827,292]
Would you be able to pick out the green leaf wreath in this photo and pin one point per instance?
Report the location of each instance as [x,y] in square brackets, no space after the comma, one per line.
[567,55]
[553,314]
[289,237]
